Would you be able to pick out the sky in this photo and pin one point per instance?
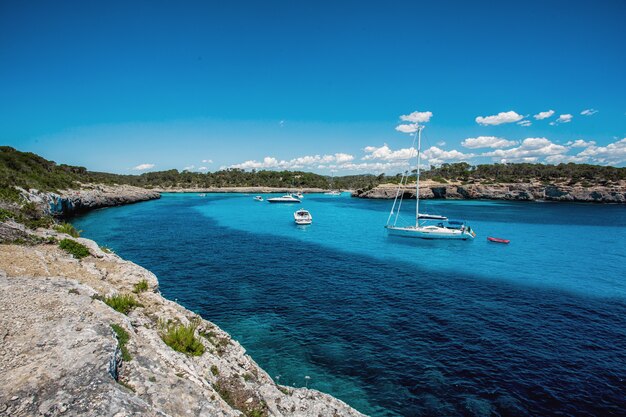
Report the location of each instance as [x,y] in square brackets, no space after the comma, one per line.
[131,87]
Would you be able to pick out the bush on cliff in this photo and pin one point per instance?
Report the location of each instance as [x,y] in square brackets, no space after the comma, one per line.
[74,248]
[141,286]
[123,303]
[182,338]
[68,229]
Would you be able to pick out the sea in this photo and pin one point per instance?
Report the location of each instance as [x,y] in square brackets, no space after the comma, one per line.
[396,326]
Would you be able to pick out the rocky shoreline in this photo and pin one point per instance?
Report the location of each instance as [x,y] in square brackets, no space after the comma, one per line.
[514,191]
[59,353]
[257,190]
[60,356]
[88,197]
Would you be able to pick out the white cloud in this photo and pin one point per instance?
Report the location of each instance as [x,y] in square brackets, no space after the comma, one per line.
[143,167]
[525,123]
[203,169]
[564,118]
[301,162]
[341,158]
[417,117]
[375,166]
[611,154]
[589,112]
[580,143]
[560,158]
[410,128]
[530,150]
[386,154]
[500,118]
[437,156]
[487,142]
[433,155]
[207,161]
[189,168]
[543,115]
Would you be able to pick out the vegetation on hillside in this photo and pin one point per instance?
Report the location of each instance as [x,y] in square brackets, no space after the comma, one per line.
[28,170]
[523,172]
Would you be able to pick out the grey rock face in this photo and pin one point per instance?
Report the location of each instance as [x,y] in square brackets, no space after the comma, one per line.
[88,197]
[59,355]
[520,192]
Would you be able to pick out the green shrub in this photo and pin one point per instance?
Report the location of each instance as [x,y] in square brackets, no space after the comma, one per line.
[36,222]
[214,370]
[67,228]
[106,249]
[74,248]
[123,338]
[123,303]
[141,286]
[6,215]
[182,339]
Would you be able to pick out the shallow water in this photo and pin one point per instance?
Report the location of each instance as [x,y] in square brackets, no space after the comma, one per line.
[397,326]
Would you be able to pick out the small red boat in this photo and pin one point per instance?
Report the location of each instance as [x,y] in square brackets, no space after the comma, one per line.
[497,240]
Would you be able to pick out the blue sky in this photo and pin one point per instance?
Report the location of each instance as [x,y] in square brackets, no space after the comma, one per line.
[319,86]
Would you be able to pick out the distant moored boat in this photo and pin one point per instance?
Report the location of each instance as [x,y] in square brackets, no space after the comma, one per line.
[498,240]
[287,198]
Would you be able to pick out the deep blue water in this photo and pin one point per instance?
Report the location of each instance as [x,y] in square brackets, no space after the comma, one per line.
[397,326]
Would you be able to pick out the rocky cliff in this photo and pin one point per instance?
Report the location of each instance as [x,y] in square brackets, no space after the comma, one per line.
[515,191]
[88,197]
[59,354]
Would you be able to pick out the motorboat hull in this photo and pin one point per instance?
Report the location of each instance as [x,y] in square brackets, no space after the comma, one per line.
[430,232]
[283,199]
[272,200]
[302,217]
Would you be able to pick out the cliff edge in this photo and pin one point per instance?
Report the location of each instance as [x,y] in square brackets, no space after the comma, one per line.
[88,197]
[532,191]
[60,353]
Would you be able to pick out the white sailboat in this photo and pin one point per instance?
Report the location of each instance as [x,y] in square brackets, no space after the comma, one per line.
[332,182]
[427,226]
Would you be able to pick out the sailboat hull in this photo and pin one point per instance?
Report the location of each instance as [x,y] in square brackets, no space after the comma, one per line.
[430,232]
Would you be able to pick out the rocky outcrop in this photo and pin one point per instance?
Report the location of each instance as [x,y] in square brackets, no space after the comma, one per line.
[88,197]
[515,191]
[60,356]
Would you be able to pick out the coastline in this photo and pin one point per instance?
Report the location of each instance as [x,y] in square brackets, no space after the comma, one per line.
[533,191]
[259,190]
[52,309]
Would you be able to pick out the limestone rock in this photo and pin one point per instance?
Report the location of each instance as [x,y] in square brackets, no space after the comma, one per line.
[59,355]
[514,191]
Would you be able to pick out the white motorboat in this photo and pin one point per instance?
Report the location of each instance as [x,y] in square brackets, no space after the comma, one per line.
[334,192]
[287,198]
[258,198]
[427,226]
[299,195]
[302,217]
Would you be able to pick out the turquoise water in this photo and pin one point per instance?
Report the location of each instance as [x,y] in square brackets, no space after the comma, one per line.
[398,326]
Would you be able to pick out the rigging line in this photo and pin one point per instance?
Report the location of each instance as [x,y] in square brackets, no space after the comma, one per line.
[406,175]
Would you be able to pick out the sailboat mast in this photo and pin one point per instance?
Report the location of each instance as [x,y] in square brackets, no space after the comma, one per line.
[417,176]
